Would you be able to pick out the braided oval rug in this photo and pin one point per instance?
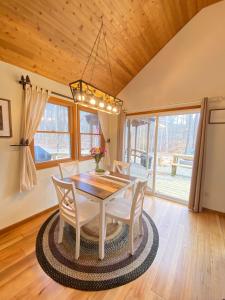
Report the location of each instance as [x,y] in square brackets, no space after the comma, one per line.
[88,272]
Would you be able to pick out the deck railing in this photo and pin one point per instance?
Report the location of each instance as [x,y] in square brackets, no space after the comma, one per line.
[172,160]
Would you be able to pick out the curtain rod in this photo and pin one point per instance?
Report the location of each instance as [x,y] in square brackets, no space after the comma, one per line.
[26,81]
[162,110]
[61,95]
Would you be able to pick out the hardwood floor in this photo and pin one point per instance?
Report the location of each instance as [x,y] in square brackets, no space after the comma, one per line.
[190,263]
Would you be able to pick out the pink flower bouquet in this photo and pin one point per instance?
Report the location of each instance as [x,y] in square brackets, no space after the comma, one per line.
[97,153]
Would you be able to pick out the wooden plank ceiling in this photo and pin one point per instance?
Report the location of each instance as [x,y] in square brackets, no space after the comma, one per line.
[54,37]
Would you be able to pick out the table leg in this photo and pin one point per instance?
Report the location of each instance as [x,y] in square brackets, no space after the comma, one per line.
[102,230]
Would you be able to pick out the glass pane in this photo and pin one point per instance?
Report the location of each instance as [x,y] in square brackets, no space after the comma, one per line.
[51,146]
[89,141]
[55,118]
[139,147]
[175,154]
[151,150]
[89,122]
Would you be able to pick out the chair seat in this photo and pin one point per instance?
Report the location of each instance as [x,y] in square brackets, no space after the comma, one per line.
[87,209]
[123,199]
[119,208]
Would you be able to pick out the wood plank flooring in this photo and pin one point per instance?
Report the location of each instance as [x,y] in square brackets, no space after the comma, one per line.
[190,263]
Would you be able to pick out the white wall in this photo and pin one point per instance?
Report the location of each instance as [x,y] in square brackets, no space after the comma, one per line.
[15,206]
[214,175]
[189,67]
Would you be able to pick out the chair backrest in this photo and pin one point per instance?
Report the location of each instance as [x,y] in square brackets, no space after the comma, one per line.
[138,199]
[121,167]
[69,168]
[66,196]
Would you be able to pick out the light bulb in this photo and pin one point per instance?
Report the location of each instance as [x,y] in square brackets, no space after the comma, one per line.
[82,97]
[79,98]
[109,107]
[101,104]
[114,109]
[92,101]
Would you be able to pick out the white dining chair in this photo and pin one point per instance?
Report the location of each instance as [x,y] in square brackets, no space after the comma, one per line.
[74,209]
[69,168]
[129,212]
[121,167]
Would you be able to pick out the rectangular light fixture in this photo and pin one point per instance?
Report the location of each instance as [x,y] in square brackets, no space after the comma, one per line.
[88,95]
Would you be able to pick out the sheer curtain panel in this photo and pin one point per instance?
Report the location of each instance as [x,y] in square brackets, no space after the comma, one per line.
[104,123]
[198,165]
[33,109]
[120,139]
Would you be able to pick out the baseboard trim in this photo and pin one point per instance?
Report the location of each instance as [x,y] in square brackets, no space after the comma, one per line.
[214,211]
[10,227]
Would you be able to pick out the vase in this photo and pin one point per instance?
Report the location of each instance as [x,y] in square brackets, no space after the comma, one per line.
[97,166]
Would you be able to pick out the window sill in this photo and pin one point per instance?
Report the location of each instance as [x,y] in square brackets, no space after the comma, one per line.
[51,163]
[55,163]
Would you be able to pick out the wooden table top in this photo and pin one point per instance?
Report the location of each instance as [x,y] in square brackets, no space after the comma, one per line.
[101,186]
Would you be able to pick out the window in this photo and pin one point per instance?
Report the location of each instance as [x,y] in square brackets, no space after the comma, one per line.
[64,131]
[54,138]
[89,132]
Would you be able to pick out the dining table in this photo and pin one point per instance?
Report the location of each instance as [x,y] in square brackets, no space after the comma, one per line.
[103,189]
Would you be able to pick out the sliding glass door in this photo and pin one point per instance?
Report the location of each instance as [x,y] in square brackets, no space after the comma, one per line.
[161,149]
[139,147]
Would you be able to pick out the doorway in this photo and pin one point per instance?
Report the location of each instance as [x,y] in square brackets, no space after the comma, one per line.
[161,149]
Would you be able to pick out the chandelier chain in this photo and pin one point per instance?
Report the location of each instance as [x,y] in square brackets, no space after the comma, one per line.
[96,44]
[110,67]
[96,54]
[91,51]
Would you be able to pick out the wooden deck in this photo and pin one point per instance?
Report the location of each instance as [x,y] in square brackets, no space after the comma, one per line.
[177,186]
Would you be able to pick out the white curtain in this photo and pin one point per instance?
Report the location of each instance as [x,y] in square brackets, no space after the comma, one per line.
[33,109]
[104,120]
[198,165]
[121,132]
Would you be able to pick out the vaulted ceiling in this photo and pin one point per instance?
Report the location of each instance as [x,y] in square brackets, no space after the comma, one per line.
[54,37]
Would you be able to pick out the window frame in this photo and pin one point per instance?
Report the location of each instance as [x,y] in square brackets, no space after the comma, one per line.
[72,132]
[86,109]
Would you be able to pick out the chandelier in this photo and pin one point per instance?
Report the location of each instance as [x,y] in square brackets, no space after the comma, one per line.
[86,94]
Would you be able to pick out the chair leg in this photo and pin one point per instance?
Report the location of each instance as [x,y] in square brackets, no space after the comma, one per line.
[140,225]
[77,254]
[131,239]
[61,228]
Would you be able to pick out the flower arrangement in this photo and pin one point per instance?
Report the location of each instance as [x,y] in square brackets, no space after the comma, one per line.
[97,153]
